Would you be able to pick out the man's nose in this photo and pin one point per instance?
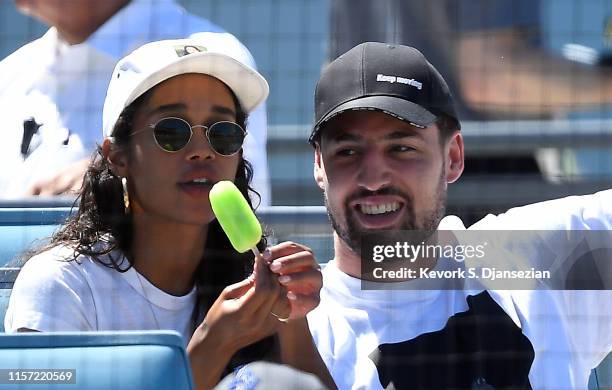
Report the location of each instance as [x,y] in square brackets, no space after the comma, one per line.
[374,171]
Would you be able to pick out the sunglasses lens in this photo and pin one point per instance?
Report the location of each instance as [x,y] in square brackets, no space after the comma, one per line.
[226,137]
[172,134]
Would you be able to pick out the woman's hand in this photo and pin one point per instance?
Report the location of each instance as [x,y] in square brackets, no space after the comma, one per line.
[239,317]
[299,272]
[242,313]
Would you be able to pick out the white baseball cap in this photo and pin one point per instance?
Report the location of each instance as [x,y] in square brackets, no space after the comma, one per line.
[158,61]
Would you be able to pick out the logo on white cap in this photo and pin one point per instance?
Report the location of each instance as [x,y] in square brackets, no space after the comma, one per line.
[183,50]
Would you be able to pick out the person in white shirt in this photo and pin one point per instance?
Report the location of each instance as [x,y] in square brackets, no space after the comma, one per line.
[52,89]
[387,143]
[144,250]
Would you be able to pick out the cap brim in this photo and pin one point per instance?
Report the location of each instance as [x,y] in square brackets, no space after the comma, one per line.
[247,84]
[394,106]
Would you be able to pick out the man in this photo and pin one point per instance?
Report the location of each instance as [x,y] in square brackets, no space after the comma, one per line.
[53,88]
[387,143]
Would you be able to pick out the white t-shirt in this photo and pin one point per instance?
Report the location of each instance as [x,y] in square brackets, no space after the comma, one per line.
[52,294]
[63,88]
[372,339]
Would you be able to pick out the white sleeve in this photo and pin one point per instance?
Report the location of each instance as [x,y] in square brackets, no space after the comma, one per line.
[585,315]
[588,212]
[570,237]
[50,295]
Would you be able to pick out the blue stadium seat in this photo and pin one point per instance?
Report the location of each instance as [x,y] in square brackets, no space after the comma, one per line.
[5,294]
[23,223]
[100,360]
[14,240]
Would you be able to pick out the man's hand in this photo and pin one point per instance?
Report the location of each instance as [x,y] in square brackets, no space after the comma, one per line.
[299,272]
[67,182]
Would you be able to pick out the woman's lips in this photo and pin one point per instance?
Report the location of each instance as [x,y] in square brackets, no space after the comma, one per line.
[196,189]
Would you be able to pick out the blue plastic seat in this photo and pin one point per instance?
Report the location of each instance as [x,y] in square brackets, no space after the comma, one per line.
[5,294]
[100,360]
[17,239]
[22,224]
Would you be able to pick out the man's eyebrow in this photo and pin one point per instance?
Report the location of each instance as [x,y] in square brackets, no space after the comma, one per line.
[343,136]
[407,133]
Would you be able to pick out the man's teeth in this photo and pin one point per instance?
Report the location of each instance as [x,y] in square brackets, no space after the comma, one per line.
[201,181]
[380,208]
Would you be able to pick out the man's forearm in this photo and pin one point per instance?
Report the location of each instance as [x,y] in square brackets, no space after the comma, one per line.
[499,71]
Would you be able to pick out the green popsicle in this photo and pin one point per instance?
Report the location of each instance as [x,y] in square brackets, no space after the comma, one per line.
[235,216]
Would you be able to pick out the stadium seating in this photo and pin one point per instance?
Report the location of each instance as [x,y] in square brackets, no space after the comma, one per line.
[100,360]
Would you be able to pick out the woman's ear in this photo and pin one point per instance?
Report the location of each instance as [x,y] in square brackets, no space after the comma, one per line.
[116,157]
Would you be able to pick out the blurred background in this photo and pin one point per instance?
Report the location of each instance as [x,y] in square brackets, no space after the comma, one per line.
[533,80]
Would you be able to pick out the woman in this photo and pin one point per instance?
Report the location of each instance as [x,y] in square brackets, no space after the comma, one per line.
[144,250]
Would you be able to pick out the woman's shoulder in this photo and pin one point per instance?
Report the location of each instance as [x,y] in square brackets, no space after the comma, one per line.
[53,292]
[60,272]
[65,260]
[57,258]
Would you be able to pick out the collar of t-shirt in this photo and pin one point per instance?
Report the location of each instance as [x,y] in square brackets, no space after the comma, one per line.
[157,296]
[393,314]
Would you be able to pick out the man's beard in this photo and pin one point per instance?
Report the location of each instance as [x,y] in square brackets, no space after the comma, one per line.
[352,234]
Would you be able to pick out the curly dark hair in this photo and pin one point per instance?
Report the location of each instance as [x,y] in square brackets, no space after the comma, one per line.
[101,219]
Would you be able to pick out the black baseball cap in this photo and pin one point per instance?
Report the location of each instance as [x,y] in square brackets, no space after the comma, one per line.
[395,79]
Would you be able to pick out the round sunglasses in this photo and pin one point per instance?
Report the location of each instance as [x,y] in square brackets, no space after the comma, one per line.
[173,134]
